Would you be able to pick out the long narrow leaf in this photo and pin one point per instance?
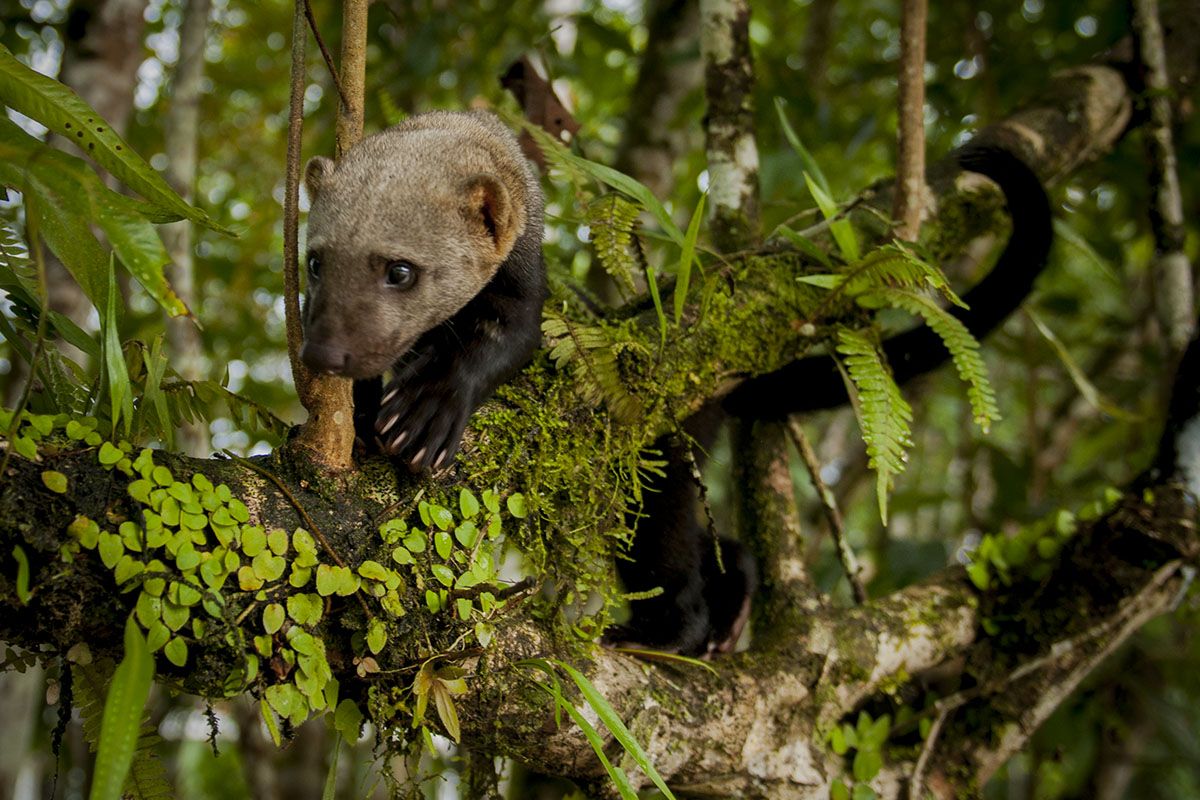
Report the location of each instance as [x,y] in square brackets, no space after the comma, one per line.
[618,776]
[123,710]
[119,392]
[330,790]
[810,164]
[70,196]
[623,183]
[1086,388]
[841,229]
[804,245]
[616,727]
[64,112]
[686,256]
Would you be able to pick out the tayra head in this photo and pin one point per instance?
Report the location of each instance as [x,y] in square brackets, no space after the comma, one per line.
[403,231]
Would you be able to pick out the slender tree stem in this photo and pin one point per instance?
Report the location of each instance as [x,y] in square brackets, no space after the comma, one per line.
[1175,294]
[832,513]
[910,160]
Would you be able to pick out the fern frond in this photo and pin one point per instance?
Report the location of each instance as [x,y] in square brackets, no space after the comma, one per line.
[883,414]
[66,382]
[88,686]
[963,347]
[147,779]
[591,354]
[611,220]
[892,266]
[554,151]
[192,400]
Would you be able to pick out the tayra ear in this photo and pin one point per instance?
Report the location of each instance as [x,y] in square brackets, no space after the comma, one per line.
[488,204]
[315,172]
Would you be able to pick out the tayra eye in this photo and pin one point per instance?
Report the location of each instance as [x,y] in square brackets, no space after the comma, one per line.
[314,266]
[401,274]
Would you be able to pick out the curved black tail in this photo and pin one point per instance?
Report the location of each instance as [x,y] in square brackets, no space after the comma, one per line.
[813,383]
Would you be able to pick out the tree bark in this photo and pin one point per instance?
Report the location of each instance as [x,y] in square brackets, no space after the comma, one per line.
[182,130]
[757,726]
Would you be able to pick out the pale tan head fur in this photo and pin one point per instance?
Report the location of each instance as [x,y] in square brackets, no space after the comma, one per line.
[447,193]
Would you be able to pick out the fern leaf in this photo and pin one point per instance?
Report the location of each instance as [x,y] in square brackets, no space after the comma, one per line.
[890,267]
[611,220]
[16,267]
[591,354]
[147,778]
[883,414]
[963,347]
[556,153]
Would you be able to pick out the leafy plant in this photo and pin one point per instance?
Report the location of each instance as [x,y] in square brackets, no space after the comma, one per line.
[591,352]
[607,716]
[866,738]
[121,734]
[883,413]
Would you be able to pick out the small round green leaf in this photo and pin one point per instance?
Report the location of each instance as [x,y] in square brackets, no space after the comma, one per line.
[517,505]
[273,616]
[55,481]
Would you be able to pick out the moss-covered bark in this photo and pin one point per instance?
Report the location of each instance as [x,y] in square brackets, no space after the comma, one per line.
[557,471]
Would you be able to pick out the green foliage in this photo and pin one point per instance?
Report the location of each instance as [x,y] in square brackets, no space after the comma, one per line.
[145,773]
[607,716]
[58,108]
[883,414]
[124,708]
[843,232]
[686,256]
[963,347]
[593,354]
[866,738]
[890,266]
[1030,553]
[611,220]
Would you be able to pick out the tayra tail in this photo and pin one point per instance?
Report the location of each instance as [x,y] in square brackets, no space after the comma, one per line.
[814,383]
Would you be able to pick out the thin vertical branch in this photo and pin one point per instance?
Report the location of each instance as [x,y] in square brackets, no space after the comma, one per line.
[1175,294]
[291,207]
[328,435]
[354,73]
[832,514]
[910,158]
[730,144]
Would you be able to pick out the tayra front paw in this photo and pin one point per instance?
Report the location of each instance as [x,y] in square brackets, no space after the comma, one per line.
[422,423]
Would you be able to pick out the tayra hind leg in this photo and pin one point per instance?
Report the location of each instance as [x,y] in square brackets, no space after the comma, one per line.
[701,609]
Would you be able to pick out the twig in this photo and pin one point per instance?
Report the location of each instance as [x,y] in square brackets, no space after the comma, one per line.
[689,458]
[832,514]
[910,101]
[337,81]
[499,592]
[387,512]
[918,775]
[291,209]
[946,705]
[312,526]
[1174,293]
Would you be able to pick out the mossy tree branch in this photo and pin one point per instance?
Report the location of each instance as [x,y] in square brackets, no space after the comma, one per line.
[757,727]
